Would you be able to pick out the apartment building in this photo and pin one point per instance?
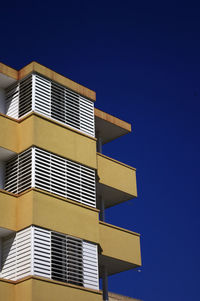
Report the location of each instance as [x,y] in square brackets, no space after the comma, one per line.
[55,185]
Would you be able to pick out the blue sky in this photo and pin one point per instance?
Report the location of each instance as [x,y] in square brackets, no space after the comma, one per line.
[142,59]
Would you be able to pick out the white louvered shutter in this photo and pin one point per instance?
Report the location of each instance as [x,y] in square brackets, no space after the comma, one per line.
[41,252]
[39,94]
[42,99]
[74,261]
[64,177]
[66,106]
[90,265]
[86,116]
[16,255]
[19,172]
[8,258]
[67,259]
[44,170]
[19,98]
[25,96]
[12,101]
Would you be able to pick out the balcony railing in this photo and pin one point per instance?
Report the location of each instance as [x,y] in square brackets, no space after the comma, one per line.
[44,170]
[41,95]
[40,252]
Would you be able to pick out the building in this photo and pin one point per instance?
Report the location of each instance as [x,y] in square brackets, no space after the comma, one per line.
[55,185]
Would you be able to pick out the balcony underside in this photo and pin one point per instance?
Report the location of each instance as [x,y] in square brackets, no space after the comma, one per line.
[109,127]
[114,265]
[111,196]
[6,154]
[8,76]
[5,232]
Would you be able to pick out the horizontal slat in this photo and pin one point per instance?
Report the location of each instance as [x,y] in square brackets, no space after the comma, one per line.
[63,177]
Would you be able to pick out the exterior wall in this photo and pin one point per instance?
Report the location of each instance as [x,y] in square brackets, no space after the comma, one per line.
[40,289]
[46,290]
[23,291]
[63,216]
[8,206]
[9,133]
[6,290]
[69,218]
[47,134]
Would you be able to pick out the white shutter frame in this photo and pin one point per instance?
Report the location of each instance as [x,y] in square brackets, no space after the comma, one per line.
[42,253]
[64,177]
[90,265]
[33,92]
[33,168]
[12,101]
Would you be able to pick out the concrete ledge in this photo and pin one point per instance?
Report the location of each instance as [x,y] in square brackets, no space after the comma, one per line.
[116,297]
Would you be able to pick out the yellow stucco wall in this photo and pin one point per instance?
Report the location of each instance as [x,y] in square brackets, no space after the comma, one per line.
[6,291]
[23,291]
[41,289]
[116,174]
[8,207]
[48,211]
[36,207]
[9,133]
[52,136]
[39,131]
[120,243]
[64,216]
[44,290]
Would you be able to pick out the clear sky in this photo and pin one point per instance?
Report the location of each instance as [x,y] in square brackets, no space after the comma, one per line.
[143,60]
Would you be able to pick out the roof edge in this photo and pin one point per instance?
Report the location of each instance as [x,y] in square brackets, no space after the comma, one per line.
[50,74]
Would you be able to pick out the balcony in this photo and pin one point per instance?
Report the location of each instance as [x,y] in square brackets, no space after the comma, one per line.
[117,181]
[120,248]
